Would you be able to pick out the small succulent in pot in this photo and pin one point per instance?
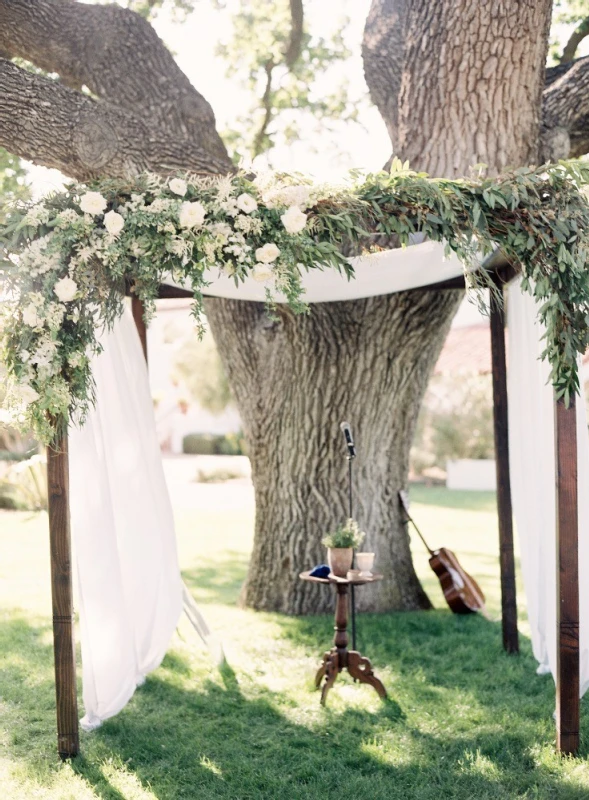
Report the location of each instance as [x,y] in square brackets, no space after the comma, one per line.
[340,546]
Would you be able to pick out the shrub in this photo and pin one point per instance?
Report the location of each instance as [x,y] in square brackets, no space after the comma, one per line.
[24,485]
[456,421]
[208,444]
[201,444]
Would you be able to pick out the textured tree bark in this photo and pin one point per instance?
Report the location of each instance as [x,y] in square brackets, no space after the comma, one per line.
[295,379]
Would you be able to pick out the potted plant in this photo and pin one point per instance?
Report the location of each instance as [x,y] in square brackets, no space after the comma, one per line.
[340,547]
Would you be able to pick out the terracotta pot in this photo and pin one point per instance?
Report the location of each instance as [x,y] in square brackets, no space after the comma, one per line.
[340,560]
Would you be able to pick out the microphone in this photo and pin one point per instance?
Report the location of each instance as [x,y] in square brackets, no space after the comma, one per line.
[347,431]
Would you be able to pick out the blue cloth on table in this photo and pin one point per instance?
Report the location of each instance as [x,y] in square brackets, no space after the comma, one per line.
[322,571]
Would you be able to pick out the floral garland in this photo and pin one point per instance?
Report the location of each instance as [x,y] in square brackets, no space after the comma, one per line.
[69,259]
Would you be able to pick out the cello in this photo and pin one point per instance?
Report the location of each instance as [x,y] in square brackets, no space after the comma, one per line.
[461,591]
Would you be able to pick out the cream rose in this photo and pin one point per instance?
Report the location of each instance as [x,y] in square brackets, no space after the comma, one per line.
[92,203]
[65,289]
[268,253]
[262,272]
[178,186]
[246,203]
[30,316]
[114,222]
[26,394]
[192,215]
[294,220]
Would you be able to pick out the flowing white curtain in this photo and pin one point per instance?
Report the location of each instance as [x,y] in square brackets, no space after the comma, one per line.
[130,590]
[533,479]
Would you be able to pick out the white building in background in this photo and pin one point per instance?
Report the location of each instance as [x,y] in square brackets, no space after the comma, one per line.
[176,413]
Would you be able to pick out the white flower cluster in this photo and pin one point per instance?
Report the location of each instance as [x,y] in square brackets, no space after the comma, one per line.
[183,224]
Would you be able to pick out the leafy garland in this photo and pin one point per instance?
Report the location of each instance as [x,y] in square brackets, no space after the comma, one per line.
[67,260]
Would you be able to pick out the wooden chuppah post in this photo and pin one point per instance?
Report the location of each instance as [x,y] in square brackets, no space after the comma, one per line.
[567,580]
[62,597]
[138,309]
[504,509]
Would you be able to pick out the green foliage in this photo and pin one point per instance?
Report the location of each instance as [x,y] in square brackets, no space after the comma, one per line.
[23,485]
[345,535]
[13,186]
[565,13]
[455,421]
[284,96]
[198,365]
[538,217]
[208,444]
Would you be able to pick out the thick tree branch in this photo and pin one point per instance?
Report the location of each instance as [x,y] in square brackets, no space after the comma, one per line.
[117,55]
[566,109]
[48,123]
[293,51]
[383,54]
[577,36]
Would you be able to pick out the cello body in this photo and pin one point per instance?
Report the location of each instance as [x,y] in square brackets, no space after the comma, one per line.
[461,591]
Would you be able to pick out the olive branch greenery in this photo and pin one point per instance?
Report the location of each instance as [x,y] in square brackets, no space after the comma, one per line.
[66,262]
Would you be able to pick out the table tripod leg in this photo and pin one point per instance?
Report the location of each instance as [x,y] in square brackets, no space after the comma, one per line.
[322,669]
[360,667]
[331,672]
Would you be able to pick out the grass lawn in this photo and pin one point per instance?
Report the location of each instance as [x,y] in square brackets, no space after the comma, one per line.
[464,720]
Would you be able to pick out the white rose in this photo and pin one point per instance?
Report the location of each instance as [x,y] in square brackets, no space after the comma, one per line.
[246,203]
[192,215]
[262,272]
[92,203]
[30,317]
[294,220]
[26,393]
[178,186]
[113,222]
[268,253]
[65,289]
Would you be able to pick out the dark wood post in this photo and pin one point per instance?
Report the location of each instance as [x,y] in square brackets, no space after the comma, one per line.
[504,510]
[137,310]
[62,599]
[567,580]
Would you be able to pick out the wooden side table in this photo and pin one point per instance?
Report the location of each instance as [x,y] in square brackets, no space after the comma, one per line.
[339,657]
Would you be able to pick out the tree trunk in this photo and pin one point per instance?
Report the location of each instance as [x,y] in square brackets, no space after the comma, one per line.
[295,380]
[459,103]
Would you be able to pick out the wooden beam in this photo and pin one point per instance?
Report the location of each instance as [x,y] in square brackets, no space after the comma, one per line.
[504,508]
[567,580]
[62,598]
[137,309]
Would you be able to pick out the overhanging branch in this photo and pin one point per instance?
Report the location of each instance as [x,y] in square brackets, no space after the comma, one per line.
[566,106]
[47,123]
[120,58]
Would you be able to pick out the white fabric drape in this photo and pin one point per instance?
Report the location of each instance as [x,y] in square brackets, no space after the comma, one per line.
[533,480]
[375,274]
[130,590]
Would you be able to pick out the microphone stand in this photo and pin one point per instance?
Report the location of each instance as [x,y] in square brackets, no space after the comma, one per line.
[350,458]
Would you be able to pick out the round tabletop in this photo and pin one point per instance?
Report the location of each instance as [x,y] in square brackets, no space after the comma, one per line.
[306,576]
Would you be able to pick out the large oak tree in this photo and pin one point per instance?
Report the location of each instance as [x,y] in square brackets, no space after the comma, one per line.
[457,83]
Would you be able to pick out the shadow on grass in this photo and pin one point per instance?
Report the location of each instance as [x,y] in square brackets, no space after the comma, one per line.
[218,580]
[224,735]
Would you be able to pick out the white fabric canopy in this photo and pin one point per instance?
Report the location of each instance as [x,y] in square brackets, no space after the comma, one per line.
[376,274]
[130,590]
[533,482]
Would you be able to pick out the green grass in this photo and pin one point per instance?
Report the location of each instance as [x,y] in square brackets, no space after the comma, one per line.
[464,720]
